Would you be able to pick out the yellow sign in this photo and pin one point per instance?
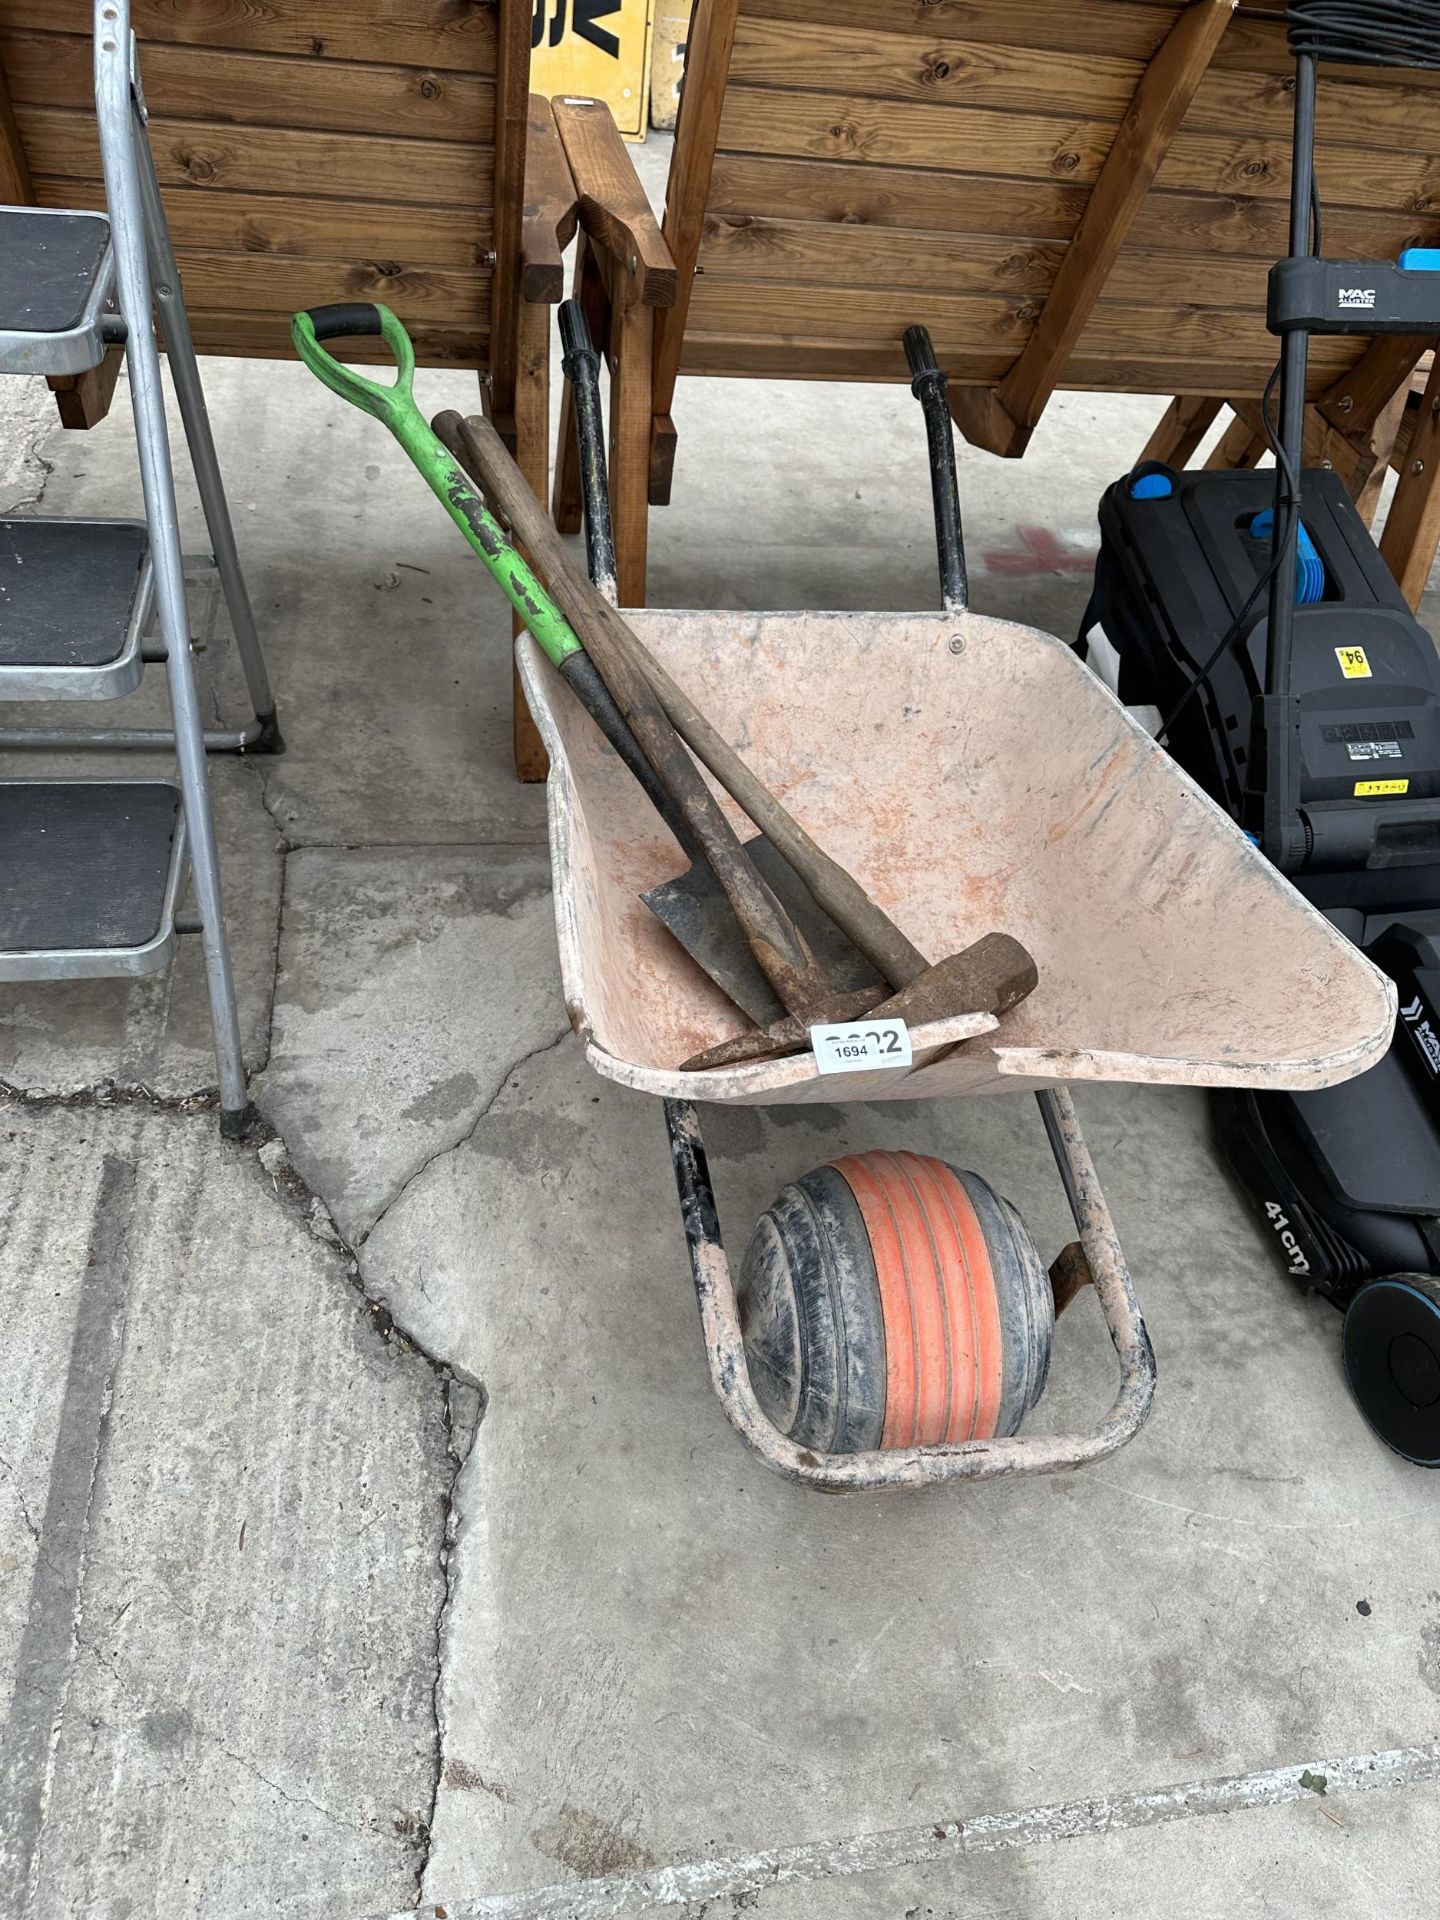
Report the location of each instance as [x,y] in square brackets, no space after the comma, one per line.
[1353,663]
[670,36]
[1371,789]
[597,49]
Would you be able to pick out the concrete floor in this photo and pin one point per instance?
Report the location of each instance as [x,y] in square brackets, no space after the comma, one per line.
[279,1638]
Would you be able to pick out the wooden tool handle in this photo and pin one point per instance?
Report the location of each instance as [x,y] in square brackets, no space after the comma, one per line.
[894,957]
[781,950]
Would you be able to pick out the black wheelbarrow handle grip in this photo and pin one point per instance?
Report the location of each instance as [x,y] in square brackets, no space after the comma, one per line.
[920,353]
[344,319]
[575,331]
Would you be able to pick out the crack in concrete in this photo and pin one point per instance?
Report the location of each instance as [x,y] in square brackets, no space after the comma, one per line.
[462,1140]
[461,1426]
[26,1515]
[103,1095]
[290,1185]
[141,1704]
[462,1410]
[35,462]
[460,1452]
[290,1799]
[287,845]
[464,1394]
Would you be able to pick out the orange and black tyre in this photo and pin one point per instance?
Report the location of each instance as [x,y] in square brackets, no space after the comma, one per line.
[889,1300]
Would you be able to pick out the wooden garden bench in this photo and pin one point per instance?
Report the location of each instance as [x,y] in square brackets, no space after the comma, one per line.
[1067,193]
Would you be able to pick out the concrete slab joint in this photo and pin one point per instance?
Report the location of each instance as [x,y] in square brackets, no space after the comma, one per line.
[463,1409]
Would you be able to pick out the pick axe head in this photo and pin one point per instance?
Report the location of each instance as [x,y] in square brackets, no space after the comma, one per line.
[993,975]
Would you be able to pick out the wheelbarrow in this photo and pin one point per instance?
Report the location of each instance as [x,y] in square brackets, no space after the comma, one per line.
[972,775]
[893,1318]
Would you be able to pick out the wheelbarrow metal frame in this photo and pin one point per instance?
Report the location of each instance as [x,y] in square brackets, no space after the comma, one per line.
[918,1466]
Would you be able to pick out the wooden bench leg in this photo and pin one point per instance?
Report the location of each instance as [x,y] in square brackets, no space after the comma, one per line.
[1177,438]
[631,389]
[1412,533]
[1382,440]
[1239,446]
[532,455]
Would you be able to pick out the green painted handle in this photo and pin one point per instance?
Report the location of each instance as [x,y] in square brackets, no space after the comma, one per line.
[394,406]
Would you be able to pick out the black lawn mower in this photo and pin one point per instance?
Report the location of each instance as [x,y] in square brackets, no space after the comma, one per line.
[1297,688]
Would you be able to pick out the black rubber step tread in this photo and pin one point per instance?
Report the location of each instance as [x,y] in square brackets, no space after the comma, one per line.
[48,265]
[84,863]
[67,590]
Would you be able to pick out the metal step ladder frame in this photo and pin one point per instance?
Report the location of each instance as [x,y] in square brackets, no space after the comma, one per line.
[146,279]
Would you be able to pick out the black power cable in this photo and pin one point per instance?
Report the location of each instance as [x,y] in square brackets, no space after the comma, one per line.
[1367,33]
[1280,550]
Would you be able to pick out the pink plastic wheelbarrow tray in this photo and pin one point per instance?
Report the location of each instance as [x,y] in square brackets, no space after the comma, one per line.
[974,777]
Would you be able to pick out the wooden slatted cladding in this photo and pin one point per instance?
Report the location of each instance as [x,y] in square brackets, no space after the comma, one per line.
[930,159]
[308,151]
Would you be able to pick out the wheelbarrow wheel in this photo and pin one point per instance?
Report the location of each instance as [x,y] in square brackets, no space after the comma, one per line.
[891,1300]
[1391,1349]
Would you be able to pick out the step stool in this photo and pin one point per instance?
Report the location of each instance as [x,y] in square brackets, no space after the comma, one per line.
[93,872]
[120,845]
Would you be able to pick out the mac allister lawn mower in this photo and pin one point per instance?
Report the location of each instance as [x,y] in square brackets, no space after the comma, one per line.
[1254,612]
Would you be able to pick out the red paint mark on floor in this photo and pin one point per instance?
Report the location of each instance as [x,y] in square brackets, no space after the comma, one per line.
[1043,554]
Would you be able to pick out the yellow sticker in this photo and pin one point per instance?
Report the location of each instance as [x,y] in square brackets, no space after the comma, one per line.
[1353,663]
[1368,789]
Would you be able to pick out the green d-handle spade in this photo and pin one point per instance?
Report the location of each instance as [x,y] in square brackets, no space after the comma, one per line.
[394,407]
[657,758]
